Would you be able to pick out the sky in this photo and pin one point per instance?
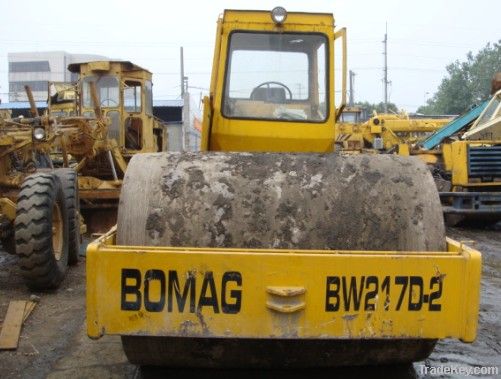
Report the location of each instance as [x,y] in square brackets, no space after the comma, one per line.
[423,37]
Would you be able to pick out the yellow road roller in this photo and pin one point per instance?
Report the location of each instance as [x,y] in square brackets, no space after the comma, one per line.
[268,248]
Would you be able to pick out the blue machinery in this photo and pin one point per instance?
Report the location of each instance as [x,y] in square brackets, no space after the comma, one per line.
[453,127]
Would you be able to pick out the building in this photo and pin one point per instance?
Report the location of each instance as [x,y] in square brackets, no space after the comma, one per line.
[37,68]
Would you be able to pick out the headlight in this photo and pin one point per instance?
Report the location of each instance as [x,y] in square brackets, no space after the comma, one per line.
[39,134]
[278,15]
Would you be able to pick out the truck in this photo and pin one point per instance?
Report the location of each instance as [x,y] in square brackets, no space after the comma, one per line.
[268,248]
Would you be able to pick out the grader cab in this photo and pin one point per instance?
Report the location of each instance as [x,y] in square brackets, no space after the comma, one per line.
[126,98]
[266,248]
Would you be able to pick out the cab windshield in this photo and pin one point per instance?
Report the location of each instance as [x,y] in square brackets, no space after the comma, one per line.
[276,77]
[107,90]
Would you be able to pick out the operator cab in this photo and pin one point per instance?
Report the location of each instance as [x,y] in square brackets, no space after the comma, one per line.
[272,85]
[125,94]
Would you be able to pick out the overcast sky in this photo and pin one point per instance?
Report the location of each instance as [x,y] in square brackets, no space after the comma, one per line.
[423,37]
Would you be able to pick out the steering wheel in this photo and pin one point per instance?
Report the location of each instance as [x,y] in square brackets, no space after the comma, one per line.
[109,102]
[253,93]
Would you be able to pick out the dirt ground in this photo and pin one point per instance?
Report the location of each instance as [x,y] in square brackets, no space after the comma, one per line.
[54,344]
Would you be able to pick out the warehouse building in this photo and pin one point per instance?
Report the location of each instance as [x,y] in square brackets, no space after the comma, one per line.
[37,68]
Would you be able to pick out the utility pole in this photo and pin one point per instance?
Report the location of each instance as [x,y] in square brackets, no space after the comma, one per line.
[352,88]
[385,70]
[182,72]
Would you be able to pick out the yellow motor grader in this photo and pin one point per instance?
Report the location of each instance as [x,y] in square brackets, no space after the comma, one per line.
[77,154]
[267,248]
[114,120]
[39,211]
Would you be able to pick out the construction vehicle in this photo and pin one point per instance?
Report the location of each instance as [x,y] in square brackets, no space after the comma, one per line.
[388,133]
[110,126]
[268,249]
[39,212]
[465,154]
[81,144]
[473,167]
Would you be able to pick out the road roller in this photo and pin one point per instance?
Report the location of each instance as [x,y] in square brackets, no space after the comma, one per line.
[268,248]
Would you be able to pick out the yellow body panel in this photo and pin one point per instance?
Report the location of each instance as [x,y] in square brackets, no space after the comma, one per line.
[321,294]
[447,156]
[459,158]
[456,160]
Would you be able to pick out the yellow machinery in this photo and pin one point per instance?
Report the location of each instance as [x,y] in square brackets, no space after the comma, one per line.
[39,212]
[386,133]
[109,127]
[267,249]
[77,152]
[62,100]
[473,165]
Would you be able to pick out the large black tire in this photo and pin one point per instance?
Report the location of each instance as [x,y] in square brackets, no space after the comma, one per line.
[69,182]
[42,249]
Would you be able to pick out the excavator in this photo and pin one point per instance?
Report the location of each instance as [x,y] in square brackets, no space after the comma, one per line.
[268,248]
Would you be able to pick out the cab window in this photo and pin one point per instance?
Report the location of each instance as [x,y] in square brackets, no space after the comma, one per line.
[276,77]
[132,96]
[107,90]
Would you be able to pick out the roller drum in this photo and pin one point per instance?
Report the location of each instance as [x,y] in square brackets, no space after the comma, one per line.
[266,200]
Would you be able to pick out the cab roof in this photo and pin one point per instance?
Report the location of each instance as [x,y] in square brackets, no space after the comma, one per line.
[126,66]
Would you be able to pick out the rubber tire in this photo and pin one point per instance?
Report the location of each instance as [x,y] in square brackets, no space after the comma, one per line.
[33,232]
[69,182]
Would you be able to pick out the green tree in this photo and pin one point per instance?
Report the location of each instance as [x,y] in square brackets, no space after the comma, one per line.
[379,108]
[466,83]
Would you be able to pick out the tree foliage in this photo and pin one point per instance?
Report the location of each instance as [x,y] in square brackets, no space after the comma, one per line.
[369,108]
[467,83]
